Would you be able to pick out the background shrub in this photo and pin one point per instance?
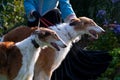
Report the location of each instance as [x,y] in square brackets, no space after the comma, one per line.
[11,14]
[104,12]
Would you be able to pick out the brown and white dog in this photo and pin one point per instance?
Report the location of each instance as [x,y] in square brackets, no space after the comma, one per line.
[50,58]
[17,60]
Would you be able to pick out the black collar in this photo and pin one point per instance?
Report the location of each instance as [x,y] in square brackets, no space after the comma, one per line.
[36,45]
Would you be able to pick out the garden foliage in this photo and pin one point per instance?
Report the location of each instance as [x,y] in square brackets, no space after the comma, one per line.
[105,12]
[11,14]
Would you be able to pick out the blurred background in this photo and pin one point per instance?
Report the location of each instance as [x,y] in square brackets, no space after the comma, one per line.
[105,13]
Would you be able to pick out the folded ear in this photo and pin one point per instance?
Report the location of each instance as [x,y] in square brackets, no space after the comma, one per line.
[36,32]
[75,22]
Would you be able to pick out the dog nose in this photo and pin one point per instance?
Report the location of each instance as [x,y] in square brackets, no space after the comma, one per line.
[103,31]
[100,29]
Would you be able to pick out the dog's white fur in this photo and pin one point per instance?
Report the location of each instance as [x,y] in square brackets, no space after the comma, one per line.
[49,58]
[30,53]
[68,34]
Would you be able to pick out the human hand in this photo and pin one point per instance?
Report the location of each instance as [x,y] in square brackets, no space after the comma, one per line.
[36,15]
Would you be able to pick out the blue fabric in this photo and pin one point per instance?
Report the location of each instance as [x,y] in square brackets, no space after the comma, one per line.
[43,6]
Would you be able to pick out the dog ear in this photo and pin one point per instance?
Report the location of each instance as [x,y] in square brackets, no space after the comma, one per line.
[74,22]
[36,32]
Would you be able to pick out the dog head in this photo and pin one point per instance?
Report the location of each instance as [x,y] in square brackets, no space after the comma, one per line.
[86,25]
[50,37]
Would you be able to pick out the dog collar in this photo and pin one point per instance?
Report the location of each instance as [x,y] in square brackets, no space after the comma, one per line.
[36,45]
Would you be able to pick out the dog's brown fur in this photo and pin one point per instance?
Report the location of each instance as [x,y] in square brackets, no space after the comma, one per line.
[47,54]
[46,58]
[10,59]
[19,33]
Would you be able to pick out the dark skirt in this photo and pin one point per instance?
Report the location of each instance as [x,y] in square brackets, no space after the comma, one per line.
[82,65]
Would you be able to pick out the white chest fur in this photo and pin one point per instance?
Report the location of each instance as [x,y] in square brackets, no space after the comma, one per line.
[30,55]
[61,30]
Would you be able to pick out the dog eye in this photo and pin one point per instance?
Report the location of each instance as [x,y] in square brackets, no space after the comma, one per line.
[47,34]
[41,35]
[55,36]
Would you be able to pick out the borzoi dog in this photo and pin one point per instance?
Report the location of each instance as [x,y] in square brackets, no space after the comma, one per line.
[50,58]
[17,60]
[68,32]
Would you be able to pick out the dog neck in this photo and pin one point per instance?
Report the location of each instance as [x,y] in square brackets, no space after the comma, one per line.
[66,32]
[28,42]
[30,55]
